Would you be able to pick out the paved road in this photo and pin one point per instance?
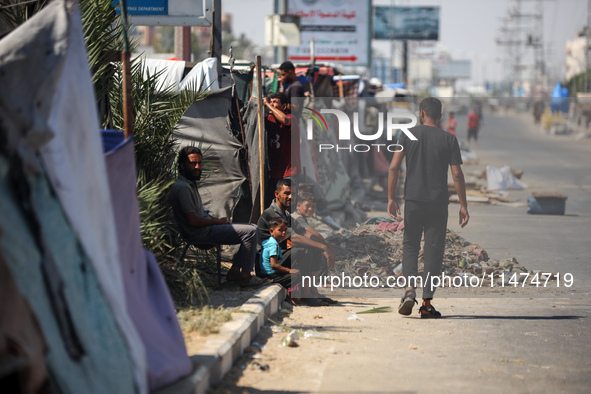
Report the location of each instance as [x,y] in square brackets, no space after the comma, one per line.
[507,343]
[550,163]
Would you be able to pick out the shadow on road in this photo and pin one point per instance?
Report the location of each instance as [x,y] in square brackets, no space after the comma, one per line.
[485,317]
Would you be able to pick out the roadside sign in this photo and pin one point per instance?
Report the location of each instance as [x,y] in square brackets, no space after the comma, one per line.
[169,12]
[340,29]
[146,7]
[406,23]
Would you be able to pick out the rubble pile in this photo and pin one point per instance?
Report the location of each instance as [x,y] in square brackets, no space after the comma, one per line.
[375,248]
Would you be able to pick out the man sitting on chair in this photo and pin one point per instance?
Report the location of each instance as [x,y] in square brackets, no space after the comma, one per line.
[197,225]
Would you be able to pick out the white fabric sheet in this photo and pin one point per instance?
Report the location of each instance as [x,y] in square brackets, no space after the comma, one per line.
[76,167]
[171,72]
[205,72]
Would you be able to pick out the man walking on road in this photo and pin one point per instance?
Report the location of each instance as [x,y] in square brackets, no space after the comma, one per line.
[426,200]
[473,126]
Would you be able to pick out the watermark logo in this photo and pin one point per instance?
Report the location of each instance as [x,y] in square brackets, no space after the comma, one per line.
[317,117]
[391,120]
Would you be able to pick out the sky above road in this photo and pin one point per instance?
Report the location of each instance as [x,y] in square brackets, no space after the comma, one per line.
[468,29]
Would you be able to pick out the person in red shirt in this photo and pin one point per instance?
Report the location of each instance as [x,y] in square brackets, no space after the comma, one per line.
[473,124]
[451,123]
[279,126]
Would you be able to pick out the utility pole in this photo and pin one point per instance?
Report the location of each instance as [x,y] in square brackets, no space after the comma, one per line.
[587,44]
[517,67]
[538,43]
[509,39]
[516,44]
[405,62]
[281,51]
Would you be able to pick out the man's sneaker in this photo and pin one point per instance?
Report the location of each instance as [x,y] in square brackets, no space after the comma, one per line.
[429,313]
[407,303]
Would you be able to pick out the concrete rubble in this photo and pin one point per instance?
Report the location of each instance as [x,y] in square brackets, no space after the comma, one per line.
[375,248]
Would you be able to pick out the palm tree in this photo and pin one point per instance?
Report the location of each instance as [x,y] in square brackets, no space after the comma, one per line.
[155,113]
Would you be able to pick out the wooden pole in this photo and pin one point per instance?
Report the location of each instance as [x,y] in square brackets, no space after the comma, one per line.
[312,52]
[305,177]
[127,101]
[313,63]
[341,92]
[126,68]
[217,36]
[261,121]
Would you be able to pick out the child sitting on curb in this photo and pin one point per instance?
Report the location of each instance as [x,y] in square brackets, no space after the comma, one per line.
[271,255]
[306,207]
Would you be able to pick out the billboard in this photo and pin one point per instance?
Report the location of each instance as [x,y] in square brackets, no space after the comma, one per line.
[406,23]
[340,29]
[454,69]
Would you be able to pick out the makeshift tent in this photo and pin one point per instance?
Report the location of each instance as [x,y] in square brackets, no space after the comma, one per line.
[204,73]
[241,77]
[22,344]
[251,132]
[172,74]
[46,95]
[59,236]
[148,300]
[350,85]
[225,191]
[325,167]
[87,353]
[321,77]
[232,188]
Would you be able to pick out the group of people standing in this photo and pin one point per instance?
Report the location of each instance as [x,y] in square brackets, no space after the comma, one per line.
[474,123]
[283,245]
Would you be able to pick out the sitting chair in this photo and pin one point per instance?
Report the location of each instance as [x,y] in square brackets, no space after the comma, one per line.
[203,247]
[257,265]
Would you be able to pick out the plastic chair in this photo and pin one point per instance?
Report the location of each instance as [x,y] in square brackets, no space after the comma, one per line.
[204,247]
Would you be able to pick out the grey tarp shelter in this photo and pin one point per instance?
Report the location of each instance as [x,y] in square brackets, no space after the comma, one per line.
[212,123]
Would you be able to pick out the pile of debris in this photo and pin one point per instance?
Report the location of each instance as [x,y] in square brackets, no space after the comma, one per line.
[490,185]
[375,248]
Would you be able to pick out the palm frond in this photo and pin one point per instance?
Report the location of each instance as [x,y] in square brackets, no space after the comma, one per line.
[16,13]
[156,112]
[380,309]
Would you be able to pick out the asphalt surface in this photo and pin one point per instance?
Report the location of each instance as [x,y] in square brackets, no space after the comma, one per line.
[551,163]
[517,340]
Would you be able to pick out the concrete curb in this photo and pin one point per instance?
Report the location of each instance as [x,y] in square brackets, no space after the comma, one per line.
[220,352]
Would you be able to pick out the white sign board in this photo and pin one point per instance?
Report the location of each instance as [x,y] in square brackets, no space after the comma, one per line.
[170,12]
[340,29]
[420,69]
[454,69]
[282,30]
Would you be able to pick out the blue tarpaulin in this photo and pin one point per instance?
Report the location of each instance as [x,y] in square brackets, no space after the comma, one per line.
[559,100]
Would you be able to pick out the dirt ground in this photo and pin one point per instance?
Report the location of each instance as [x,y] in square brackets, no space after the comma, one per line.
[486,345]
[227,296]
[267,362]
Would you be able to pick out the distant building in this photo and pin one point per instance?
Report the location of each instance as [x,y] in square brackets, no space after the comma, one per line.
[146,34]
[226,23]
[575,55]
